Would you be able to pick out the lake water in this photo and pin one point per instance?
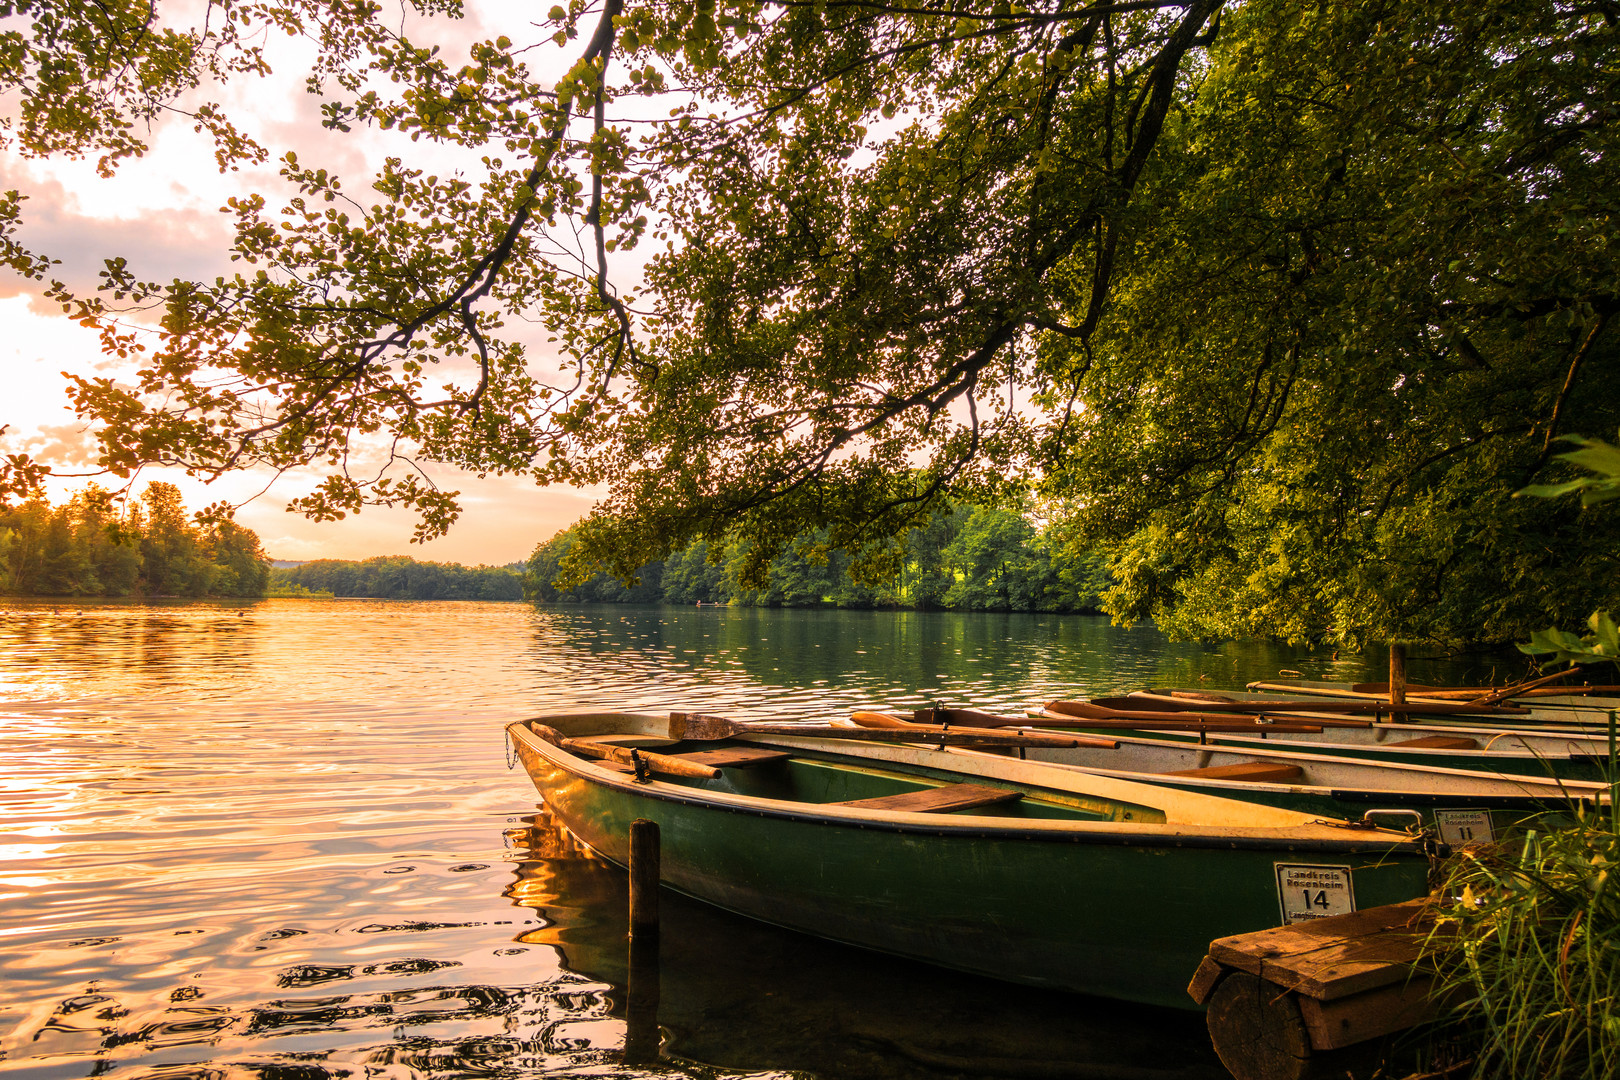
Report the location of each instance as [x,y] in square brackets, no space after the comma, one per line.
[280,841]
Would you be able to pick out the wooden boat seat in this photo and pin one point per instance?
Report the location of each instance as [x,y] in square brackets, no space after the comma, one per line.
[732,757]
[938,800]
[725,757]
[1439,742]
[1259,772]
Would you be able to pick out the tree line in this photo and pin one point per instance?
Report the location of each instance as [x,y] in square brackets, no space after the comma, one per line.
[398,577]
[963,559]
[91,545]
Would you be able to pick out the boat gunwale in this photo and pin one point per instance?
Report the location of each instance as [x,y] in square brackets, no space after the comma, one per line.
[1283,839]
[1551,788]
[1592,747]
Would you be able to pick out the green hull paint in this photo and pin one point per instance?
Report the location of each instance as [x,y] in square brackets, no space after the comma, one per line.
[1070,911]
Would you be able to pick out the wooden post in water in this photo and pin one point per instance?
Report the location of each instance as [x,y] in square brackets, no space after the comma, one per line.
[1397,679]
[641,1036]
[645,872]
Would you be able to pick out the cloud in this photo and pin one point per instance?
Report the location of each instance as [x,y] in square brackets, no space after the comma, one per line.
[63,444]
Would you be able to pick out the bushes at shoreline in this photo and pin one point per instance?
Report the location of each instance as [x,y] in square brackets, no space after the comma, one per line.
[398,577]
[970,559]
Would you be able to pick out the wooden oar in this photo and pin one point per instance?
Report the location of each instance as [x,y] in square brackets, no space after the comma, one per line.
[700,727]
[1084,714]
[1426,708]
[1467,693]
[895,722]
[1106,708]
[1512,691]
[659,763]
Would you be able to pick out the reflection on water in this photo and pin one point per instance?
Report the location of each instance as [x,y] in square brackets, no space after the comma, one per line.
[736,993]
[277,840]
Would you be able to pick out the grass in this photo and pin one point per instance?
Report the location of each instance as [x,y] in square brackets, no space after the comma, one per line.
[1528,950]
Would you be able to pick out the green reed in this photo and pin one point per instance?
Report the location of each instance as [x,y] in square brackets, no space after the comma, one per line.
[1527,949]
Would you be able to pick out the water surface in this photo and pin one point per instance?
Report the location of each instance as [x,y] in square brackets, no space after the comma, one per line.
[280,840]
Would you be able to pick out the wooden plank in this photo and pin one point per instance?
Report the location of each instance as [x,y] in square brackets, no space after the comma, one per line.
[1333,1025]
[1250,952]
[1438,742]
[1259,772]
[732,757]
[1204,979]
[938,800]
[1352,967]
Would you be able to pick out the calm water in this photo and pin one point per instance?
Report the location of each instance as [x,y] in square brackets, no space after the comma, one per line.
[280,841]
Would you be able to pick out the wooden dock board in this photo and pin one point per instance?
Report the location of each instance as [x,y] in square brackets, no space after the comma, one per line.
[1282,998]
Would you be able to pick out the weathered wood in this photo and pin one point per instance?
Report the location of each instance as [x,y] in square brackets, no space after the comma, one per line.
[1333,1025]
[938,800]
[1438,742]
[645,872]
[733,757]
[1350,967]
[1259,772]
[625,755]
[1204,979]
[1253,951]
[1316,999]
[1397,674]
[1257,1031]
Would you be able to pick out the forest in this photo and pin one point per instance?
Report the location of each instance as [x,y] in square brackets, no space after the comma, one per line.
[963,559]
[90,545]
[398,577]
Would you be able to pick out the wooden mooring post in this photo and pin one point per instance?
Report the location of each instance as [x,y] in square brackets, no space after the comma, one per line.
[1316,999]
[641,1037]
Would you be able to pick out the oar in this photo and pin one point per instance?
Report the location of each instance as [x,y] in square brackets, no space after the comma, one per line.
[700,727]
[1468,693]
[891,722]
[1512,691]
[1104,709]
[1231,722]
[658,763]
[1427,708]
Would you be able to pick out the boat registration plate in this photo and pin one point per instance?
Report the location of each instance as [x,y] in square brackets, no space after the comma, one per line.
[1309,891]
[1464,826]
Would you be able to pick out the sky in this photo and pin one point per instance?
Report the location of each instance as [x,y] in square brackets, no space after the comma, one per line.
[162,213]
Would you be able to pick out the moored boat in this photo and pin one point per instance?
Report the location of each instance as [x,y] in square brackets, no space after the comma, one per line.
[999,866]
[1462,806]
[1584,713]
[1572,754]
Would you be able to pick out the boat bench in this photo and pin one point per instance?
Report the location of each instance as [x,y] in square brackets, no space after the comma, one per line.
[731,757]
[725,757]
[1438,742]
[1259,772]
[937,800]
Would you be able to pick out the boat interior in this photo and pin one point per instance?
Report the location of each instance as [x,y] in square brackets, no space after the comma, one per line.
[824,777]
[830,780]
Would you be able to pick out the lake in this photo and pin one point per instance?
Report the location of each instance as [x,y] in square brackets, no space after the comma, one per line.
[280,840]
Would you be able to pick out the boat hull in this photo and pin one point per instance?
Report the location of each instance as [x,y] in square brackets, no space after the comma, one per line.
[1101,913]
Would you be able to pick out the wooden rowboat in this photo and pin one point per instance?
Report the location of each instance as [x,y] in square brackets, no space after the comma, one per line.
[1461,805]
[1002,867]
[1571,754]
[1586,705]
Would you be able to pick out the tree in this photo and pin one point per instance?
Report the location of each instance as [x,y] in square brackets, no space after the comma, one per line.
[173,562]
[1282,303]
[814,319]
[240,565]
[1373,278]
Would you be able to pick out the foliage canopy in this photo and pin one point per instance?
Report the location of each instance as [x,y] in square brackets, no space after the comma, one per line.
[1282,299]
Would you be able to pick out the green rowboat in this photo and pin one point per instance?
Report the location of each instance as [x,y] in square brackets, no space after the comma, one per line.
[1008,868]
